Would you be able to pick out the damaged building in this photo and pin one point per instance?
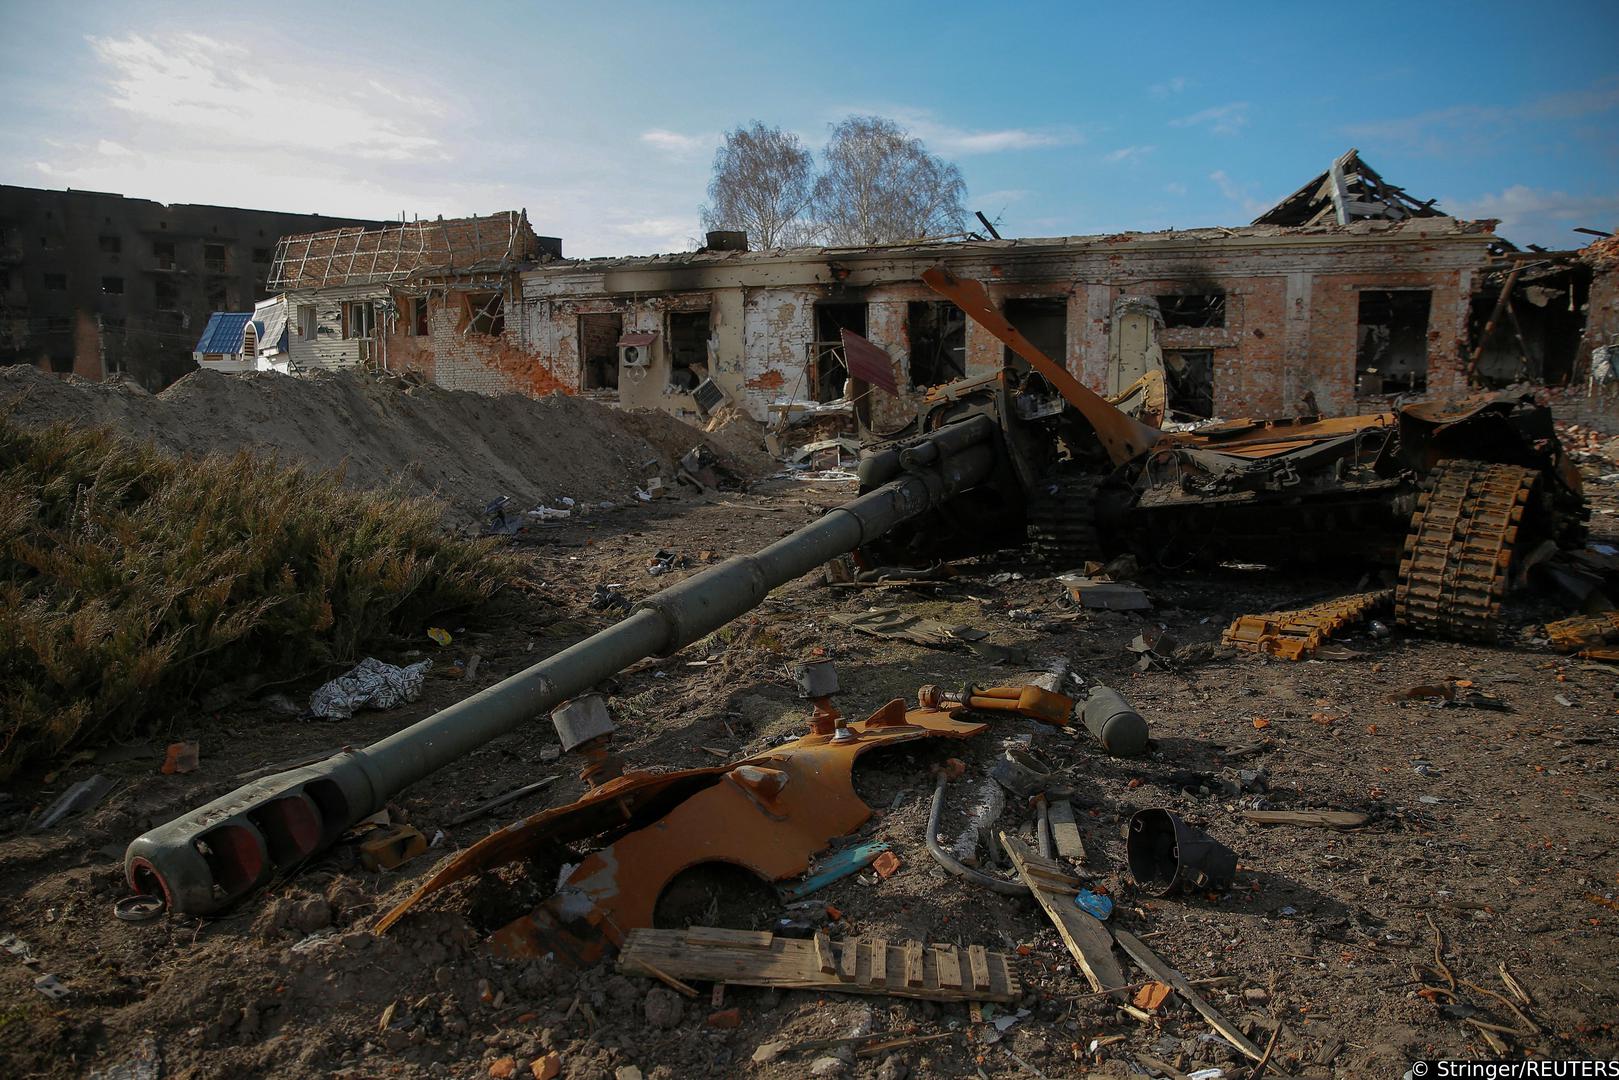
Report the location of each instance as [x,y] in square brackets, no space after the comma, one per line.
[1255,320]
[95,284]
[429,298]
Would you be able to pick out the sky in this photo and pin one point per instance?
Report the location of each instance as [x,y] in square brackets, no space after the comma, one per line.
[601,119]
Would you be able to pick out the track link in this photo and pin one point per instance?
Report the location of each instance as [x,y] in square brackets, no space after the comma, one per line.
[1062,521]
[1458,554]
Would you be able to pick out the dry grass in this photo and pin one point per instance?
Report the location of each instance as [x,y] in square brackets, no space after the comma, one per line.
[132,581]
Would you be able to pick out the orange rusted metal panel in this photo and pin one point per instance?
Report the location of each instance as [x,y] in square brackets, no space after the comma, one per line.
[769,814]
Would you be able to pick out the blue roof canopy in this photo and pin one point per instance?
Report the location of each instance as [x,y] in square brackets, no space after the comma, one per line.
[223,334]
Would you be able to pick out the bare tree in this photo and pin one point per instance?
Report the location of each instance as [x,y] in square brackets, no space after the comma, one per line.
[880,185]
[762,184]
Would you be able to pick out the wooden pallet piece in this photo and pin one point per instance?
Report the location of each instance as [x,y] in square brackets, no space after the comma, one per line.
[1330,819]
[869,966]
[1157,969]
[1087,939]
[849,960]
[1064,831]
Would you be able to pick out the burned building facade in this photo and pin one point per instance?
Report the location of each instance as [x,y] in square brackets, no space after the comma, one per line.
[433,299]
[1256,320]
[95,284]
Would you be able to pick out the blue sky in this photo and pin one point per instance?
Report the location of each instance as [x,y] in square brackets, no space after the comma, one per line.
[602,119]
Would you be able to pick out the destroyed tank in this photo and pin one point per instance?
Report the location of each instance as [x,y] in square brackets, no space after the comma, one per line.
[1448,500]
[988,463]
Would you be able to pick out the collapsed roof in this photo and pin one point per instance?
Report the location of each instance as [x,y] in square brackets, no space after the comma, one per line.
[1350,190]
[408,250]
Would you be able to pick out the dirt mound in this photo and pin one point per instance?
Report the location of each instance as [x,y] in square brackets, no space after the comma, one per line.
[465,448]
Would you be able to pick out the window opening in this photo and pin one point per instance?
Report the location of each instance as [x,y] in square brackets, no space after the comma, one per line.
[688,349]
[598,350]
[1392,350]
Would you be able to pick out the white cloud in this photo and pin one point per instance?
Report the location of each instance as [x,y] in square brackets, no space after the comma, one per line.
[112,149]
[948,140]
[1240,194]
[1219,119]
[1175,187]
[203,90]
[1478,128]
[1168,87]
[1127,153]
[678,145]
[1536,215]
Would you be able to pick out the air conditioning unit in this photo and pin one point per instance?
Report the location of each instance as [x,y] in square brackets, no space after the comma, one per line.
[635,350]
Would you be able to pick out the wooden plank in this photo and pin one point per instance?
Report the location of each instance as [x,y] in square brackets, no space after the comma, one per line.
[1087,939]
[1331,819]
[715,935]
[1064,831]
[823,953]
[879,962]
[947,959]
[978,961]
[934,973]
[913,963]
[849,960]
[1157,969]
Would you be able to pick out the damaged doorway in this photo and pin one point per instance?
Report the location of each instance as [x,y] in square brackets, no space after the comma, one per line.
[1044,321]
[937,330]
[1391,355]
[688,350]
[1189,375]
[828,370]
[598,350]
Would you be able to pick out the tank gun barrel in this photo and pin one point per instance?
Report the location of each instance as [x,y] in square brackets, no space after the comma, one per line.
[214,855]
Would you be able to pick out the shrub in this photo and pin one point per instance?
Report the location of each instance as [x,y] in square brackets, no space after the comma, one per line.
[132,581]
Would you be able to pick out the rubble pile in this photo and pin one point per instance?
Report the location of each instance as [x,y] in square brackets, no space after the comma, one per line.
[467,449]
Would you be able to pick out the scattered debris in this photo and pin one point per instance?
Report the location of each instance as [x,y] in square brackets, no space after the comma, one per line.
[1105,595]
[370,684]
[502,800]
[1331,819]
[856,965]
[1167,855]
[1300,633]
[390,847]
[182,757]
[839,865]
[85,795]
[1087,940]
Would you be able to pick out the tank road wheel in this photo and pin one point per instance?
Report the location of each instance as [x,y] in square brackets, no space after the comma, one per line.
[1062,521]
[1458,554]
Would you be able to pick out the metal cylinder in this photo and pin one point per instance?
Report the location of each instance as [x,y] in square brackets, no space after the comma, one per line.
[208,858]
[1118,727]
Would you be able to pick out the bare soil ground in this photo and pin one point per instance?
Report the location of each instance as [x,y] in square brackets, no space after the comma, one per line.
[1492,832]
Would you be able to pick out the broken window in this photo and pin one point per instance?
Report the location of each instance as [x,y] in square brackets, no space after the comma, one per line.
[688,349]
[828,370]
[163,254]
[213,258]
[165,296]
[359,320]
[56,282]
[1190,378]
[112,286]
[111,245]
[1194,311]
[261,255]
[1392,351]
[598,350]
[485,313]
[218,298]
[1044,321]
[307,322]
[937,330]
[416,316]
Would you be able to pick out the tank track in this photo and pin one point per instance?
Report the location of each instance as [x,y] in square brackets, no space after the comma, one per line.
[1062,521]
[1458,554]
